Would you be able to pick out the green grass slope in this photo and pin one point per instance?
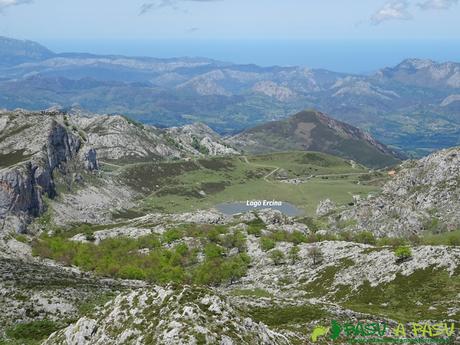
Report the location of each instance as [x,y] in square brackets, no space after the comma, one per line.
[201,184]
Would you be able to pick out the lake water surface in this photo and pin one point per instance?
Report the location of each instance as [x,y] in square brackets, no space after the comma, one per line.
[233,208]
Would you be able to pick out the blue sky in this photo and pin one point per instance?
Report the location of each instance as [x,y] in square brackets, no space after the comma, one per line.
[343,35]
[235,19]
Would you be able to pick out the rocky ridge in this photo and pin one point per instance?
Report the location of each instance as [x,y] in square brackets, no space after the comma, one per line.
[119,138]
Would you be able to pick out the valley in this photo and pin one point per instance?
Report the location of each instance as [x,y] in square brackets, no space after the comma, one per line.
[110,233]
[201,184]
[274,173]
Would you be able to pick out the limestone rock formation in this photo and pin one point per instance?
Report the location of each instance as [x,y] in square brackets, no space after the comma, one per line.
[163,316]
[424,196]
[32,147]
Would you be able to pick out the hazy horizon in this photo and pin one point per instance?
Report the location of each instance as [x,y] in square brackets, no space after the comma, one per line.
[345,36]
[348,56]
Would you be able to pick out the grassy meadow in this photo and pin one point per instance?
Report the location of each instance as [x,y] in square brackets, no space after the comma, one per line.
[203,183]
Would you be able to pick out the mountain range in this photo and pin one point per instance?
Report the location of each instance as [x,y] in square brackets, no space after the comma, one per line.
[413,107]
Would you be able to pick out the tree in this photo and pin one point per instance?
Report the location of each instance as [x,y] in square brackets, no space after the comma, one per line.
[294,254]
[315,254]
[402,253]
[277,256]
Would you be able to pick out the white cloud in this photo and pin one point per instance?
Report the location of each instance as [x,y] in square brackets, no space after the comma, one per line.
[151,5]
[437,4]
[392,10]
[9,3]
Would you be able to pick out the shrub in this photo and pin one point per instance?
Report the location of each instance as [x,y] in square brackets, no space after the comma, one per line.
[346,236]
[172,235]
[131,272]
[235,240]
[90,237]
[255,227]
[21,238]
[217,270]
[453,239]
[365,237]
[120,257]
[403,253]
[266,243]
[212,251]
[392,241]
[298,237]
[277,256]
[35,330]
[213,235]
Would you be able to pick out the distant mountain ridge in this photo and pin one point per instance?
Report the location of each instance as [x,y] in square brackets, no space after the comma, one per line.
[414,106]
[424,73]
[14,52]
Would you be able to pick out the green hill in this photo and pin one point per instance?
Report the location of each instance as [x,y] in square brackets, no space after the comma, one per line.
[314,131]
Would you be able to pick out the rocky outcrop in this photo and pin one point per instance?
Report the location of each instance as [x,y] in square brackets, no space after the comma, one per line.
[325,207]
[272,89]
[199,139]
[424,196]
[40,143]
[119,138]
[187,315]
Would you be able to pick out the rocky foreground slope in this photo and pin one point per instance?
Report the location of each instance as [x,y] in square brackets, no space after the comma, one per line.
[159,315]
[80,276]
[277,301]
[423,197]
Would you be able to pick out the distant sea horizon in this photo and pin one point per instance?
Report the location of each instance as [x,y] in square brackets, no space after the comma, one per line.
[348,56]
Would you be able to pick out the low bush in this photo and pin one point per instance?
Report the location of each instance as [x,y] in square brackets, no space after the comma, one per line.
[266,243]
[123,258]
[255,227]
[365,237]
[403,253]
[36,330]
[277,257]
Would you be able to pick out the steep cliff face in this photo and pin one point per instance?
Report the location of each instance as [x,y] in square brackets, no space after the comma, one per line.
[32,146]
